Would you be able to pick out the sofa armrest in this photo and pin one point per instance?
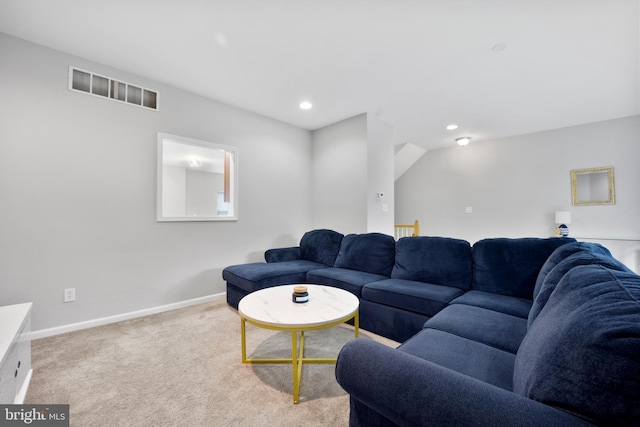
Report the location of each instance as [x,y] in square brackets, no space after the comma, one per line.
[282,254]
[410,391]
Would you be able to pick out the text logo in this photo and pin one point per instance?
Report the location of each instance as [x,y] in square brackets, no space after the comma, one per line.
[34,415]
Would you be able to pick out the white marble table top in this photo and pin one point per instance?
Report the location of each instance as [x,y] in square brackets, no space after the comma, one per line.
[274,306]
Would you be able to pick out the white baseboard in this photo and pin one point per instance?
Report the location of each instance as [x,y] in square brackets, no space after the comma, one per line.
[43,333]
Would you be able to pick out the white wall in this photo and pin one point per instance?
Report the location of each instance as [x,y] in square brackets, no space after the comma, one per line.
[514,185]
[352,161]
[339,176]
[380,176]
[78,185]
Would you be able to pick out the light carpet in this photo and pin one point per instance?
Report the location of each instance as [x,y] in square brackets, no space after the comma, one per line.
[183,368]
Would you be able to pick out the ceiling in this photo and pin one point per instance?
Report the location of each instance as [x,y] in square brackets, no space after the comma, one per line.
[497,68]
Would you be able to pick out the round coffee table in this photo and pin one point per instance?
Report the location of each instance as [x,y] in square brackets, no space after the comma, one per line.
[273,308]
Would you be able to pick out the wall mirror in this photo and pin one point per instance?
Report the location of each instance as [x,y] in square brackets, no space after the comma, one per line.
[197,180]
[593,186]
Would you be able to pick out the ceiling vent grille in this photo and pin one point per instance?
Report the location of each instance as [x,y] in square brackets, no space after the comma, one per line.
[116,90]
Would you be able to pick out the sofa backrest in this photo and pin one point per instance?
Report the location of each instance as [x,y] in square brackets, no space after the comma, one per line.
[563,252]
[582,352]
[437,260]
[320,246]
[580,253]
[370,252]
[510,266]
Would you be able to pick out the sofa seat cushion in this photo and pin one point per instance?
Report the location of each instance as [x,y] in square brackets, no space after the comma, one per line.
[259,275]
[438,260]
[419,297]
[462,355]
[518,307]
[511,266]
[499,330]
[370,252]
[582,352]
[349,280]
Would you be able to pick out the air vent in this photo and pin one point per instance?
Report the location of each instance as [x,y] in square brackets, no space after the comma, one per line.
[94,84]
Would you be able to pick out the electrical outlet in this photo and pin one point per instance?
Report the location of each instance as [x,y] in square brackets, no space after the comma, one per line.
[69,294]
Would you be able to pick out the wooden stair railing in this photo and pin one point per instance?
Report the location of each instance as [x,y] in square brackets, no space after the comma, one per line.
[407,230]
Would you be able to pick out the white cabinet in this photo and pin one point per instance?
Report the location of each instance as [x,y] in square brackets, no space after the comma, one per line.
[15,352]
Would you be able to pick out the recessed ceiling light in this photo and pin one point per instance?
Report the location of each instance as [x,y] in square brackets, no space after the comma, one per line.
[452,127]
[221,39]
[306,105]
[463,140]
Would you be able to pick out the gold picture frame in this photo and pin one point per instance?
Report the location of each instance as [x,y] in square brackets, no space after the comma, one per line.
[593,186]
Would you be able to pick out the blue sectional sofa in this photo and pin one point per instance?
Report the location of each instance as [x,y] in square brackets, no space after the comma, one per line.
[507,332]
[403,284]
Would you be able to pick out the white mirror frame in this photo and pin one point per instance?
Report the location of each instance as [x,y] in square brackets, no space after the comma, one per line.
[190,145]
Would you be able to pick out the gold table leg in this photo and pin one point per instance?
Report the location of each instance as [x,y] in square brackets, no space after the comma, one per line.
[297,354]
[295,361]
[356,323]
[244,339]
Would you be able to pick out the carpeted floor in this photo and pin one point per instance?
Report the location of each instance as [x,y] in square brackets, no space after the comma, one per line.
[182,368]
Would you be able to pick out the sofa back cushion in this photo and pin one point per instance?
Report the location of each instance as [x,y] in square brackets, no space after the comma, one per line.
[437,260]
[371,252]
[320,246]
[563,252]
[582,353]
[554,276]
[511,266]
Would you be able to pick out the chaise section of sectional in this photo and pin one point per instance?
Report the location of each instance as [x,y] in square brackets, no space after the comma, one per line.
[318,250]
[246,278]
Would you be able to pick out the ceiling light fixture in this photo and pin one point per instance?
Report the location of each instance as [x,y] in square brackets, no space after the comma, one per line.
[306,105]
[463,140]
[452,127]
[195,162]
[221,39]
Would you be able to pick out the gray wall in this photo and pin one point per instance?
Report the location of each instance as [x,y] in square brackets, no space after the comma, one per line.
[352,161]
[339,177]
[380,178]
[78,185]
[514,185]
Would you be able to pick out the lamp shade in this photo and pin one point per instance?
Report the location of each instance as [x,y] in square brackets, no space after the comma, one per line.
[563,217]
